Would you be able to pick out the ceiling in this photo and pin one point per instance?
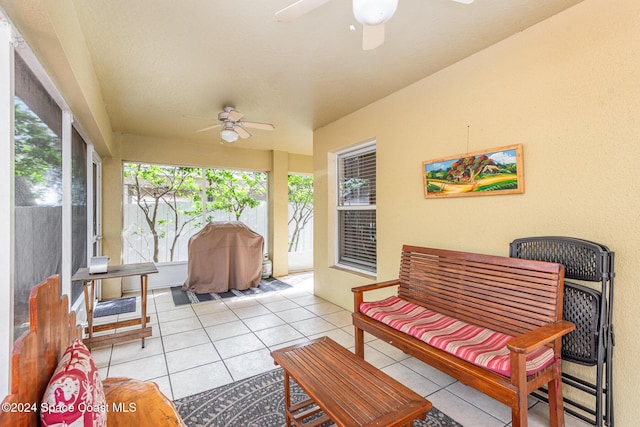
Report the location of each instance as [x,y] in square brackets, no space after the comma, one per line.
[167,67]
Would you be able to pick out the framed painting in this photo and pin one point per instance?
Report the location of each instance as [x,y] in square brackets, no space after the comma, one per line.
[482,173]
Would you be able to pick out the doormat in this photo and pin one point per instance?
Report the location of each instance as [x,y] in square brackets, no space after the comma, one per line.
[181,297]
[116,306]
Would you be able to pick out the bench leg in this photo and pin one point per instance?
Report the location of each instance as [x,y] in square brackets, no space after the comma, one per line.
[520,414]
[556,407]
[359,334]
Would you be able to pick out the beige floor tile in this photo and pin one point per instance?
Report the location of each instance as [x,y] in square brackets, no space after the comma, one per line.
[101,356]
[196,380]
[281,305]
[234,303]
[251,311]
[306,299]
[278,335]
[339,336]
[177,326]
[209,307]
[461,411]
[295,314]
[182,312]
[185,339]
[315,325]
[237,345]
[263,322]
[141,369]
[324,308]
[250,364]
[340,318]
[393,352]
[227,330]
[406,376]
[217,318]
[133,350]
[376,358]
[187,358]
[438,377]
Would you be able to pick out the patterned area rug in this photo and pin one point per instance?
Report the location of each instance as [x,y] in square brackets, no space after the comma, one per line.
[181,297]
[259,402]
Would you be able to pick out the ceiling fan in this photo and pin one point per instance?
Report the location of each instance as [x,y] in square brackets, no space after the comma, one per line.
[234,128]
[372,14]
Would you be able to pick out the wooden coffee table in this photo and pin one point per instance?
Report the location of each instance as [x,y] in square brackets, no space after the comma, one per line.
[344,388]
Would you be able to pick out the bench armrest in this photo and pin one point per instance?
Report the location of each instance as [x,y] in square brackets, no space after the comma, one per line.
[540,336]
[360,290]
[374,286]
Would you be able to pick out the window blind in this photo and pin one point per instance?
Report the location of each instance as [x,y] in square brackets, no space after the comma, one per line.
[356,206]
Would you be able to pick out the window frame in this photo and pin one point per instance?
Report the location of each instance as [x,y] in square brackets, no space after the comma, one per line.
[339,207]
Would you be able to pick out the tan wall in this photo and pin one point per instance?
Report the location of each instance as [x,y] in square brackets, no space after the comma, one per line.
[142,149]
[568,90]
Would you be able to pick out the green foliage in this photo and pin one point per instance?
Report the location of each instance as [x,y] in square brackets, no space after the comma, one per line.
[301,200]
[38,150]
[434,188]
[510,184]
[234,191]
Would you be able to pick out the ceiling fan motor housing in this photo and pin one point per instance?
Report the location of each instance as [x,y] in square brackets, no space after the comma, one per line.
[374,12]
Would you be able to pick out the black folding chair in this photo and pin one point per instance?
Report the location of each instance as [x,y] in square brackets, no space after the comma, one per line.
[591,343]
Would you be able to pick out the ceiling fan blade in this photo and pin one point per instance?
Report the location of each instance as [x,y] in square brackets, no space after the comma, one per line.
[297,9]
[235,115]
[463,1]
[242,132]
[372,36]
[256,125]
[209,128]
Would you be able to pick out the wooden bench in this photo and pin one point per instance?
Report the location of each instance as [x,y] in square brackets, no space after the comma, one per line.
[516,297]
[35,357]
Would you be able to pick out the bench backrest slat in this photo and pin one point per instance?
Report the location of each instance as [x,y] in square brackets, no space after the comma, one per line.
[508,295]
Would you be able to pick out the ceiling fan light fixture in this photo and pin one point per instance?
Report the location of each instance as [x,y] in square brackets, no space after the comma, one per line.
[374,12]
[229,135]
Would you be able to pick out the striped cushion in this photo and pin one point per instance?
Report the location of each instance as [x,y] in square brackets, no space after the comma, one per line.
[480,346]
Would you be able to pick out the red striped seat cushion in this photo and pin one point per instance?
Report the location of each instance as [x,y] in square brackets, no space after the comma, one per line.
[480,346]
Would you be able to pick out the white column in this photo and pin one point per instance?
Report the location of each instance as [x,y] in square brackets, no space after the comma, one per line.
[6,200]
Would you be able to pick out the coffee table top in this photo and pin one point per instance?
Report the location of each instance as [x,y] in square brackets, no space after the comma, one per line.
[349,390]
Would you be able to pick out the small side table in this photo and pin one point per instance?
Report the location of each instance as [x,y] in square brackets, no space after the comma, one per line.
[114,271]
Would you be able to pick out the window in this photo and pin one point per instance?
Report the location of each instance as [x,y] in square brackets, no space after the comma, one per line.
[165,205]
[356,208]
[38,189]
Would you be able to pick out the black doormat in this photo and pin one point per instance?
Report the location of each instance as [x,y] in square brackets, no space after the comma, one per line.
[116,306]
[259,402]
[181,297]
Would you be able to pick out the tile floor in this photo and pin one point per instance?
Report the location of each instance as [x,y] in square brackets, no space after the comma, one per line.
[202,346]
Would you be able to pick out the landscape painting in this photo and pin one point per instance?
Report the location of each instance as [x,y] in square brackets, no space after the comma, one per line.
[482,173]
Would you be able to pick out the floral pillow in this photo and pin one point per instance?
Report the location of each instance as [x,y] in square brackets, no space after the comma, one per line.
[74,396]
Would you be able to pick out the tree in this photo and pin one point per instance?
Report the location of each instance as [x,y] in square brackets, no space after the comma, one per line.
[234,191]
[38,156]
[301,200]
[153,186]
[467,168]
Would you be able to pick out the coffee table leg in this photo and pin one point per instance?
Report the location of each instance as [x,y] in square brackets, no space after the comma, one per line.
[287,398]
